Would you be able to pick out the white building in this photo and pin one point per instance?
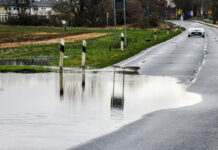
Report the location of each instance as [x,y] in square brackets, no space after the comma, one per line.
[171,4]
[37,7]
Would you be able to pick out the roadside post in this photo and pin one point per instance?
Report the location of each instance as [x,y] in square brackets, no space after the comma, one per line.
[83,64]
[122,41]
[61,63]
[168,30]
[155,35]
[84,54]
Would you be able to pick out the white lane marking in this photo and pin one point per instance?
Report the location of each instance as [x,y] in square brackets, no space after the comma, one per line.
[202,64]
[146,51]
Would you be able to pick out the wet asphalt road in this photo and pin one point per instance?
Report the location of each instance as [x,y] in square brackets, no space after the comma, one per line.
[194,61]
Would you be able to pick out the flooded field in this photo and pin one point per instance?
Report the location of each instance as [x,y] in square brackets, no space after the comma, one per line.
[54,111]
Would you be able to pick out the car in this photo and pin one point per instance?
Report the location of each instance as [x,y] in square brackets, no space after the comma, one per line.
[196,31]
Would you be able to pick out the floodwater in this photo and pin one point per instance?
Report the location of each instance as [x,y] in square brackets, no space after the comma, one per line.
[39,62]
[53,111]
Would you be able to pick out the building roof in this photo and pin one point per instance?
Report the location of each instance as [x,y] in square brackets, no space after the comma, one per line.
[33,3]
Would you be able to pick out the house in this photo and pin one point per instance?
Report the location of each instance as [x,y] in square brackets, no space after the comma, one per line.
[171,4]
[167,3]
[162,2]
[37,7]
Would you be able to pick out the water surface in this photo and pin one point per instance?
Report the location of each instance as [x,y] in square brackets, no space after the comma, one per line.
[53,111]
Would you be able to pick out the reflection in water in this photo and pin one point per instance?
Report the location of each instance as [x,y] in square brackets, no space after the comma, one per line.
[31,111]
[39,62]
[83,79]
[117,100]
[61,85]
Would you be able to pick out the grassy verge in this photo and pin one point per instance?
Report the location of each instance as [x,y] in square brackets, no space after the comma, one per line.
[25,33]
[24,69]
[101,52]
[209,24]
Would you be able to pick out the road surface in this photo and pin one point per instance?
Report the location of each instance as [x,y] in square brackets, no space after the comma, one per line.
[194,61]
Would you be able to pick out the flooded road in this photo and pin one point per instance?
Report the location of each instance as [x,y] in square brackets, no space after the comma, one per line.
[53,111]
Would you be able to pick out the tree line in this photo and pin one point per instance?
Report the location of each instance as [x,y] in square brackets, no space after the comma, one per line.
[94,12]
[196,5]
[90,13]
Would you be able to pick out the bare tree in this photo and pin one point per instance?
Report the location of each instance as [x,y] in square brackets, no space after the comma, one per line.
[22,6]
[93,12]
[80,12]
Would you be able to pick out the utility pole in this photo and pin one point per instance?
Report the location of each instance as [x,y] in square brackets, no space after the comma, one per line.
[176,14]
[125,22]
[166,18]
[108,19]
[115,22]
[202,10]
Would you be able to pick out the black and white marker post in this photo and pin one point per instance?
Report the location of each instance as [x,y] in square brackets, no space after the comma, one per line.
[61,64]
[168,30]
[122,41]
[84,54]
[83,63]
[155,35]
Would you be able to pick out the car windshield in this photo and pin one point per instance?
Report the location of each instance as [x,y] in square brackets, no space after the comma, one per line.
[195,25]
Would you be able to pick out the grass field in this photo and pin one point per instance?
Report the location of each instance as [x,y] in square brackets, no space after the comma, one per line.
[101,52]
[24,69]
[11,34]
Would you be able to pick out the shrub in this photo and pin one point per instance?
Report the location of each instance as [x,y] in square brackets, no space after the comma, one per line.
[28,20]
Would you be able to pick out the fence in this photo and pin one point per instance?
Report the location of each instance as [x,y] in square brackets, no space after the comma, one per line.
[5,16]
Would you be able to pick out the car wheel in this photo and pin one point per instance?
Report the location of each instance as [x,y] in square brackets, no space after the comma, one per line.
[203,36]
[189,35]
